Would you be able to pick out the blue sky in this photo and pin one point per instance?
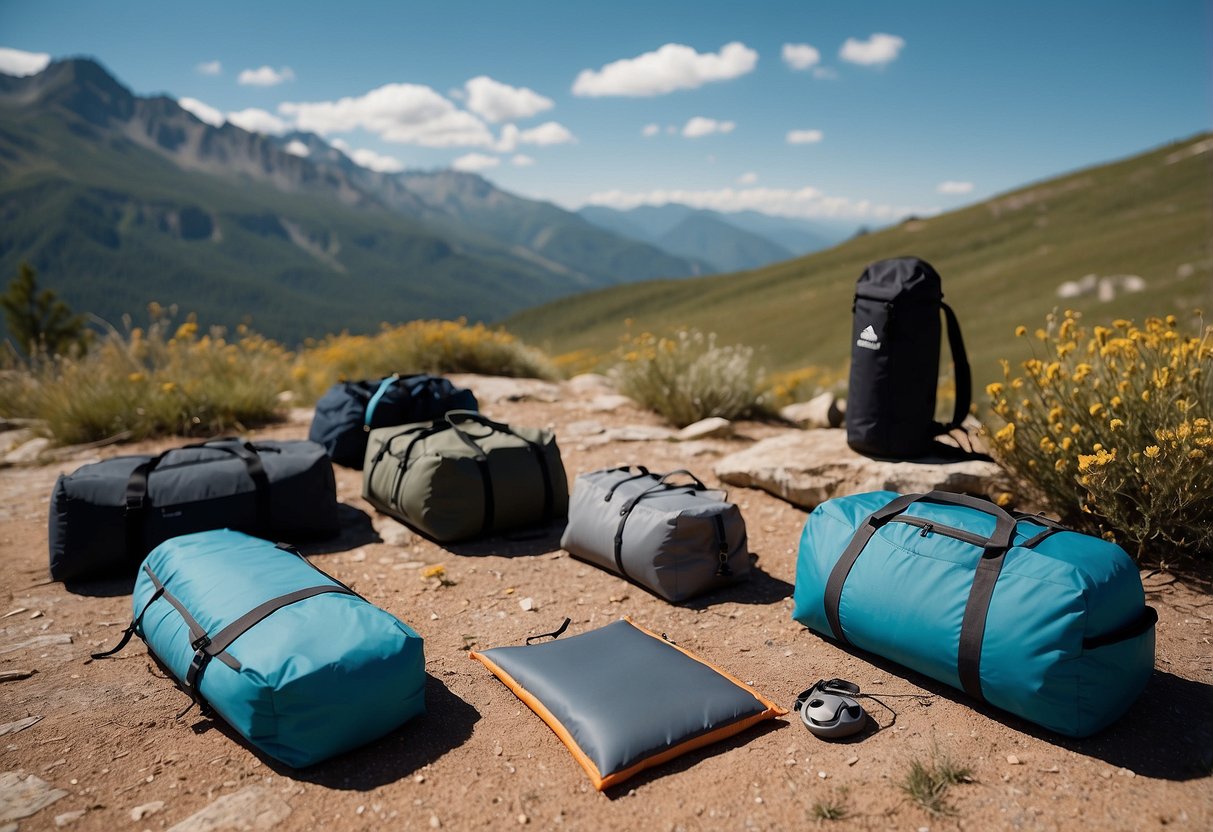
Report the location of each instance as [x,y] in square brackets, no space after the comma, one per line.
[982,96]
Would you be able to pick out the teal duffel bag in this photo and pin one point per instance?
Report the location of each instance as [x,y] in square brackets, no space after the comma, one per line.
[299,664]
[1046,623]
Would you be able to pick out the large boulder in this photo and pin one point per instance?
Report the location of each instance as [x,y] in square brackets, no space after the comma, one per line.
[809,467]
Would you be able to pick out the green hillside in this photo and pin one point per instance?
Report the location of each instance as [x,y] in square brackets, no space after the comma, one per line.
[1002,262]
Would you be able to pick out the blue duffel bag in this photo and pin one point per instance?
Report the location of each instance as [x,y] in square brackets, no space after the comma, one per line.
[350,410]
[299,664]
[1015,610]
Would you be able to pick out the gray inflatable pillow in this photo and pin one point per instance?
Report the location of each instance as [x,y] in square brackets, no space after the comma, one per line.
[624,699]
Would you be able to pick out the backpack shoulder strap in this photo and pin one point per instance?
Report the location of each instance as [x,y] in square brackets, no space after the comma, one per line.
[961,372]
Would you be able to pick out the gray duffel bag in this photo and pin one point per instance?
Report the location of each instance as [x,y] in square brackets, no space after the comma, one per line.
[675,539]
[463,476]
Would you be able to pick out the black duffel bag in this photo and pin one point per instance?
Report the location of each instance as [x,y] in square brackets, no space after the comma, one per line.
[106,516]
[350,410]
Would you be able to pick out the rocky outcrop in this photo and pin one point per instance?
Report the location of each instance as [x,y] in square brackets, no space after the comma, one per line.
[823,411]
[809,467]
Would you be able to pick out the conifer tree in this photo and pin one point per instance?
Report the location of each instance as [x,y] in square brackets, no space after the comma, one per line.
[40,320]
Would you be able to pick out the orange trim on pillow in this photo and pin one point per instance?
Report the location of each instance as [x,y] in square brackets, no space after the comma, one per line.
[546,715]
[600,782]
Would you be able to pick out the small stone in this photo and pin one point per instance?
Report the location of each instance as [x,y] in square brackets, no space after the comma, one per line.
[608,402]
[36,614]
[434,822]
[822,775]
[433,616]
[21,797]
[140,812]
[394,534]
[852,760]
[714,427]
[528,604]
[523,820]
[359,810]
[1125,772]
[253,807]
[1012,760]
[418,778]
[497,749]
[69,817]
[821,411]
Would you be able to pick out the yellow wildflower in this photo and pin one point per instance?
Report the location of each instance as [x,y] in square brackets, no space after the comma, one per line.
[1116,423]
[135,378]
[994,390]
[1021,331]
[1152,451]
[1095,409]
[1006,434]
[168,386]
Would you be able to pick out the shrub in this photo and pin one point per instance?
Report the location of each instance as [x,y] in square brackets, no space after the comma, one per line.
[804,383]
[688,377]
[1111,429]
[418,346]
[140,384]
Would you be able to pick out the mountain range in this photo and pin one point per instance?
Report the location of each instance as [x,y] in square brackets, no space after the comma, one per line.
[1119,240]
[118,200]
[726,242]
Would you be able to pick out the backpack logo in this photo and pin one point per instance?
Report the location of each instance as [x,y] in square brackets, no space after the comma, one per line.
[868,339]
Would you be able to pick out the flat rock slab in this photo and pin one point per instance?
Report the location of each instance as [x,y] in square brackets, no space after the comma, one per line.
[23,795]
[251,808]
[492,389]
[807,468]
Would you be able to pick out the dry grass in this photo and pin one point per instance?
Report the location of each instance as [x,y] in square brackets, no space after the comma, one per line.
[927,783]
[688,377]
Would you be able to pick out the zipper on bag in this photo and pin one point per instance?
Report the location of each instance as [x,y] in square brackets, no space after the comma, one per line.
[927,527]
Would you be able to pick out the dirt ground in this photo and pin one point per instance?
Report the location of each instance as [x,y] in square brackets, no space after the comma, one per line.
[109,736]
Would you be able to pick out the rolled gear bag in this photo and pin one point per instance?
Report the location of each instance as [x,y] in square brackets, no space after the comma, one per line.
[677,540]
[296,662]
[465,476]
[349,411]
[1046,623]
[895,361]
[106,516]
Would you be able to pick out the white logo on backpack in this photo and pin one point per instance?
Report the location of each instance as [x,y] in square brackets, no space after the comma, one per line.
[868,339]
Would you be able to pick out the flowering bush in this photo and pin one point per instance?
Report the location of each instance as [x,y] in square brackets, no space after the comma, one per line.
[418,346]
[688,377]
[1111,428]
[165,379]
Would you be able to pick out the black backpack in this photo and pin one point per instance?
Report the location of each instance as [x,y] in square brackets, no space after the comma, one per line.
[350,410]
[895,361]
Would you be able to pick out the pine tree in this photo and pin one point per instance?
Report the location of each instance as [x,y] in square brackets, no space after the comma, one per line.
[39,320]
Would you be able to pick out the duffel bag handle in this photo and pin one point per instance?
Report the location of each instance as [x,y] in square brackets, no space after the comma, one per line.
[455,417]
[1004,528]
[665,478]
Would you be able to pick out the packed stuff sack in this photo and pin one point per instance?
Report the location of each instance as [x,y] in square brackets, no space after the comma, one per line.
[623,699]
[350,410]
[295,661]
[675,539]
[106,516]
[895,361]
[1046,623]
[465,476]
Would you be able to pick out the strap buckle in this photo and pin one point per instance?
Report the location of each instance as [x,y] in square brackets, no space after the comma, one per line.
[201,643]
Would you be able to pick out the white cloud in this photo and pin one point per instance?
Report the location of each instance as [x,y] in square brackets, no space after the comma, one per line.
[748,178]
[800,55]
[265,76]
[877,50]
[376,161]
[257,121]
[203,112]
[548,133]
[297,148]
[401,113]
[18,62]
[672,67]
[472,162]
[521,160]
[800,202]
[951,186]
[825,73]
[209,68]
[701,126]
[650,130]
[497,102]
[805,136]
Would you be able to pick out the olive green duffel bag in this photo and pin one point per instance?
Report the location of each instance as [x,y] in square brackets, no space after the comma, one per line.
[464,476]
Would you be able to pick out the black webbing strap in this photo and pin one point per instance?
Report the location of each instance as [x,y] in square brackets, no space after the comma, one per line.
[842,568]
[130,630]
[973,624]
[555,634]
[662,484]
[985,577]
[137,501]
[1143,622]
[486,482]
[960,371]
[722,547]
